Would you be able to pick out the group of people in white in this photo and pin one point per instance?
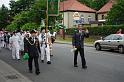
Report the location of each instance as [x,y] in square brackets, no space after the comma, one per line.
[15,42]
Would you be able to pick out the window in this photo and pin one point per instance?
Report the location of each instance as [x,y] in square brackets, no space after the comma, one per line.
[117,37]
[109,37]
[89,18]
[82,19]
[103,17]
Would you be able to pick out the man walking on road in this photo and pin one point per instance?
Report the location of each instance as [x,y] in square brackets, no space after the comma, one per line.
[78,45]
[31,46]
[14,42]
[45,42]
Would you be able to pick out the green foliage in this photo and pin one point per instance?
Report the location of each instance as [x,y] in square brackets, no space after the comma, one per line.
[116,16]
[29,26]
[4,17]
[99,31]
[98,4]
[25,11]
[12,27]
[20,5]
[95,4]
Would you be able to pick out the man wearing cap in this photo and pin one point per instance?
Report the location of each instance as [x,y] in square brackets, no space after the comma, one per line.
[31,46]
[78,45]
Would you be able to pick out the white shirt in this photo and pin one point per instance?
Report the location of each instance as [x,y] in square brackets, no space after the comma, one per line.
[15,40]
[46,36]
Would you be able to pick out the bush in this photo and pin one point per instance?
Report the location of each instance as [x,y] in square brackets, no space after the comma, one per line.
[99,31]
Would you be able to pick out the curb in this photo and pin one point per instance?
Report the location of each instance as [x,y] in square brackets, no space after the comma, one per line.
[69,43]
[9,74]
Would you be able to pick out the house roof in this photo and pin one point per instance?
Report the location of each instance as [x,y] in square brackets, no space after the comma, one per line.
[106,7]
[74,5]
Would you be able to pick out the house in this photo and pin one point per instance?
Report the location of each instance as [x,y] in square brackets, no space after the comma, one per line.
[102,13]
[75,13]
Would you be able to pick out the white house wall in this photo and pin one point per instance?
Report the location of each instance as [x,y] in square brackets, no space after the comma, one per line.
[66,19]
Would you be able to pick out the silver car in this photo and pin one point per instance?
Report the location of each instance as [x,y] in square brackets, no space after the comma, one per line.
[112,42]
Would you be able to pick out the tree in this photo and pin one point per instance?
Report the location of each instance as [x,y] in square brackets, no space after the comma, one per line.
[20,5]
[30,26]
[12,26]
[4,17]
[34,14]
[95,4]
[116,15]
[98,4]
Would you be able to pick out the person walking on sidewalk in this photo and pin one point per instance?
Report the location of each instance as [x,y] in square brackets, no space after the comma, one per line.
[31,46]
[78,45]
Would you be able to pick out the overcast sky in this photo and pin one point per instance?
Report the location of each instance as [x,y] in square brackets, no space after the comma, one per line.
[5,2]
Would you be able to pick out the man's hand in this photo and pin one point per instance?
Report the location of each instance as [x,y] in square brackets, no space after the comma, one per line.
[87,31]
[73,46]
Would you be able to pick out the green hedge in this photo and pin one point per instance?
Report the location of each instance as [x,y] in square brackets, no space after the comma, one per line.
[99,31]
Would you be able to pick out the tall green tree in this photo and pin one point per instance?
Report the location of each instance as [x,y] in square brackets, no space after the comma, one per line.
[20,5]
[116,15]
[4,17]
[33,15]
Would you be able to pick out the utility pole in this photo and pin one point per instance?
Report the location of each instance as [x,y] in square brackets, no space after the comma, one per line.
[47,16]
[63,23]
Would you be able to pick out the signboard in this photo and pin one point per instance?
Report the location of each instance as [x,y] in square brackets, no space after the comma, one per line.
[53,7]
[76,16]
[78,19]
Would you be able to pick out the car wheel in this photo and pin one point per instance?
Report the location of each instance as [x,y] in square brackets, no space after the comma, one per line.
[121,49]
[98,47]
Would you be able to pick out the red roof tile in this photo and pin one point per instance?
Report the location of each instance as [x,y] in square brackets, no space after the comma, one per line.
[106,7]
[74,5]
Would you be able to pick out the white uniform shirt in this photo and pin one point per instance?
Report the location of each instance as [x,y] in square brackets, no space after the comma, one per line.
[15,40]
[54,34]
[44,38]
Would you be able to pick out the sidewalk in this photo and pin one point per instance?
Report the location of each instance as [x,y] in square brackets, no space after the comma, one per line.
[9,74]
[64,42]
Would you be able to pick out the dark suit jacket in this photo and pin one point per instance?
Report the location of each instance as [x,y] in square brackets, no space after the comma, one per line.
[78,39]
[32,48]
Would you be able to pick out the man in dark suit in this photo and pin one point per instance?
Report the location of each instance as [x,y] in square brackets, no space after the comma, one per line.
[31,46]
[78,45]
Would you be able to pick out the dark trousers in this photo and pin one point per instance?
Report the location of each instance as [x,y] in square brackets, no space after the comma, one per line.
[81,50]
[35,63]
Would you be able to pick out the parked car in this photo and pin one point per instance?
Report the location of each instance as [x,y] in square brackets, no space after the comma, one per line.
[112,42]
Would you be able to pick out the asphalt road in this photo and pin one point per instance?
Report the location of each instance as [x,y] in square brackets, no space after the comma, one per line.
[103,66]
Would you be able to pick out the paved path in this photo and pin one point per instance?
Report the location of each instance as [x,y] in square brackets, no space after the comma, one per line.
[9,74]
[103,66]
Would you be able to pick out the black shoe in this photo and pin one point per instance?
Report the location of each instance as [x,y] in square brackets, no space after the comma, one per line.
[75,66]
[37,73]
[18,59]
[42,61]
[51,55]
[49,62]
[84,67]
[30,71]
